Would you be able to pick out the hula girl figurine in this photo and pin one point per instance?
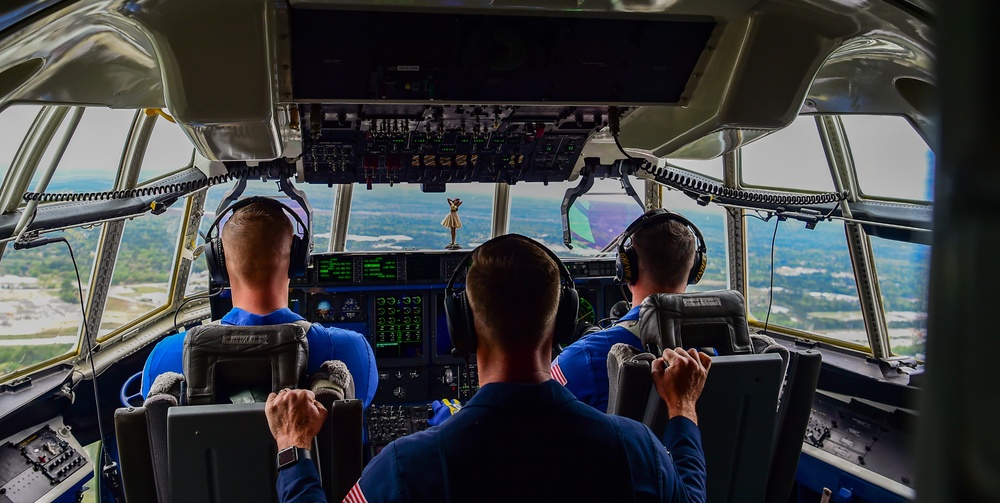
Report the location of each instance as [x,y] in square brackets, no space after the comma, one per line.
[453,222]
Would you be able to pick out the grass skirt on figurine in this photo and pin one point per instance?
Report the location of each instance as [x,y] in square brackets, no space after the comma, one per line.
[452,221]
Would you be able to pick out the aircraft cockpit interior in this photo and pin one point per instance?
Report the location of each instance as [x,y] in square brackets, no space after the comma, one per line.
[802,141]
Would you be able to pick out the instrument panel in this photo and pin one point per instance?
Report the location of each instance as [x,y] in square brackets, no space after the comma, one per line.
[41,463]
[396,300]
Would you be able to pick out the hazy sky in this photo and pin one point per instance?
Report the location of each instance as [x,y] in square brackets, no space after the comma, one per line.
[890,157]
[97,143]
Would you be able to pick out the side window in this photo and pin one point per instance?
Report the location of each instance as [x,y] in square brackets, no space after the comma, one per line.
[90,163]
[404,218]
[890,158]
[903,270]
[39,301]
[14,124]
[144,268]
[791,158]
[813,280]
[169,149]
[596,219]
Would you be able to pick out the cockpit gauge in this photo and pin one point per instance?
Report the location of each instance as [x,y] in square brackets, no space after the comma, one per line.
[323,310]
[586,312]
[350,309]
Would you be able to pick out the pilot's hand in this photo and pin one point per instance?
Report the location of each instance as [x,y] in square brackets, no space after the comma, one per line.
[443,409]
[294,417]
[679,377]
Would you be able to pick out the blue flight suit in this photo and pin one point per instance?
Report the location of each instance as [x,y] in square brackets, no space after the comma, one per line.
[300,483]
[583,366]
[527,442]
[325,343]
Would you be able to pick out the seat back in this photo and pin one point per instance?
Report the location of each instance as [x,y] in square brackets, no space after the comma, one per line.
[134,455]
[220,453]
[717,320]
[737,420]
[341,450]
[202,441]
[224,363]
[793,419]
[736,411]
[341,454]
[735,415]
[162,445]
[629,381]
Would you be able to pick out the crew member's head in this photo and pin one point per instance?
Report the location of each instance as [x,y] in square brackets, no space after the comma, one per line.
[513,290]
[666,255]
[257,240]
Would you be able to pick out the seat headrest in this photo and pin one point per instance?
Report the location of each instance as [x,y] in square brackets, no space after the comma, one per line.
[220,360]
[715,319]
[332,382]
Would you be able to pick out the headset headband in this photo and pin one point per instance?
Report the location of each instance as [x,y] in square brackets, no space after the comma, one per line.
[242,203]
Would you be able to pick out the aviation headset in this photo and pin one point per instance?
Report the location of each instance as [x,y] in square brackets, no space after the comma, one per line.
[216,256]
[627,262]
[462,326]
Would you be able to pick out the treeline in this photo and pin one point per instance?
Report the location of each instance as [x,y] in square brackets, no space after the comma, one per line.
[13,358]
[145,256]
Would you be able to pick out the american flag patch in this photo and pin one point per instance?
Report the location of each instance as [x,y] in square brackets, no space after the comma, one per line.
[355,495]
[558,375]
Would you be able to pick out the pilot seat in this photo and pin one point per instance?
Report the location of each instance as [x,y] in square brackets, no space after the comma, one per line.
[203,436]
[752,424]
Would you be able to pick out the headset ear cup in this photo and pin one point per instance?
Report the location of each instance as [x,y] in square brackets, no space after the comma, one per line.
[215,256]
[566,314]
[456,312]
[470,326]
[700,263]
[626,265]
[619,267]
[298,258]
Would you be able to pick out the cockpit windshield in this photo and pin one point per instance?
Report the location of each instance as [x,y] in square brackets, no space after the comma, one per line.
[596,219]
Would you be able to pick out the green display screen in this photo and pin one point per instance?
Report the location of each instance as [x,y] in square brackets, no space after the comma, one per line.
[378,269]
[335,269]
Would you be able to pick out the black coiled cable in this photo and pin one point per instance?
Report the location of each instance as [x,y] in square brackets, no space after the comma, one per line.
[278,169]
[684,182]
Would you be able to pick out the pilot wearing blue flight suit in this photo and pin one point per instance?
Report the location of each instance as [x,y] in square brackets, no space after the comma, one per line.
[659,252]
[257,241]
[523,436]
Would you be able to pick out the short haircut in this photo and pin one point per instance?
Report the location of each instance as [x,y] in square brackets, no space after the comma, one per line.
[513,287]
[666,252]
[257,242]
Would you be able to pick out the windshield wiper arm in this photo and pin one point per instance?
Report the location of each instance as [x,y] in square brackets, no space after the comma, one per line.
[574,193]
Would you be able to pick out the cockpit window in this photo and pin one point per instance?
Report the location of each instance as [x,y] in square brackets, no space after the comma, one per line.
[14,124]
[168,150]
[144,268]
[90,163]
[39,302]
[402,217]
[596,219]
[890,158]
[792,158]
[813,279]
[903,269]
